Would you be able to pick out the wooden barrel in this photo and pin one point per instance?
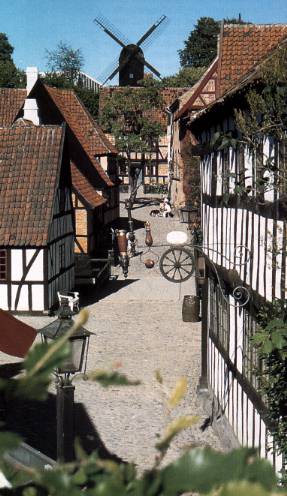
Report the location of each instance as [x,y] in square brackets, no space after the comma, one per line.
[190,308]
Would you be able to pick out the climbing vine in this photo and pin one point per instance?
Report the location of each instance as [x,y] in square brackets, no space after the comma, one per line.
[262,114]
[271,341]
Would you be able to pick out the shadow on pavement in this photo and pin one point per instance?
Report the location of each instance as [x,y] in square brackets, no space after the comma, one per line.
[92,294]
[122,223]
[35,422]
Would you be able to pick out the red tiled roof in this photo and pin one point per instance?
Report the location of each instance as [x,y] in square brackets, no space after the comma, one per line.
[15,337]
[88,133]
[11,101]
[30,159]
[84,188]
[242,46]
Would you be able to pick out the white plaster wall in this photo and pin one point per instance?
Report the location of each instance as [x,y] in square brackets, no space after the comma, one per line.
[239,338]
[16,265]
[269,259]
[219,181]
[255,250]
[38,297]
[232,312]
[239,414]
[36,272]
[279,245]
[250,414]
[262,254]
[268,152]
[232,170]
[23,303]
[248,168]
[3,297]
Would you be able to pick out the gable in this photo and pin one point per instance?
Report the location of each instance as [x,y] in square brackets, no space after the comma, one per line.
[11,102]
[30,161]
[201,94]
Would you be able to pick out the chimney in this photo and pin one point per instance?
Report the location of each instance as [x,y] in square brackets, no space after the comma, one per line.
[31,111]
[32,76]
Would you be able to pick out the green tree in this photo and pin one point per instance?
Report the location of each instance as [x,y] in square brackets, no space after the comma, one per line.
[6,48]
[200,47]
[185,78]
[10,76]
[65,60]
[127,115]
[65,65]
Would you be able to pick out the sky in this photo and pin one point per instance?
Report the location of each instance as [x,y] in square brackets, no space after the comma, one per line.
[33,26]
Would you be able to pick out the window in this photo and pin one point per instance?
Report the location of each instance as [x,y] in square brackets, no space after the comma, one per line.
[252,363]
[281,164]
[3,265]
[222,318]
[219,315]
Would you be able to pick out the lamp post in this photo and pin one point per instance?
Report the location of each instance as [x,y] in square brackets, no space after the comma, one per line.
[131,233]
[76,362]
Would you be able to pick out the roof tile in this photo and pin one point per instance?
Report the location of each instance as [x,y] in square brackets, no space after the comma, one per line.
[29,169]
[243,46]
[86,130]
[11,102]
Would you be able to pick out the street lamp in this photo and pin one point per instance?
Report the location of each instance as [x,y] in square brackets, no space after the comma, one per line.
[188,214]
[76,362]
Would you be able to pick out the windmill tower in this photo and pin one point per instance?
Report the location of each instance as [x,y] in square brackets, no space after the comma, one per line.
[131,63]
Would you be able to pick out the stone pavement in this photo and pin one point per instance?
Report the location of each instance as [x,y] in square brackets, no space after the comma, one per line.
[138,324]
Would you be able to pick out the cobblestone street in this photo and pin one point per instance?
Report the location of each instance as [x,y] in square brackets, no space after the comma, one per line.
[138,323]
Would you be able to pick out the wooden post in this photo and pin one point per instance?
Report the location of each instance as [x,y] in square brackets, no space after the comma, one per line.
[203,380]
[65,422]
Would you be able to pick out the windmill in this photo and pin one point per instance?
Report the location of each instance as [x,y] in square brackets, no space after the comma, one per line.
[131,62]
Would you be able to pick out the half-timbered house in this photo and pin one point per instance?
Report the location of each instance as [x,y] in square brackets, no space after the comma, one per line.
[240,47]
[93,165]
[36,218]
[183,170]
[93,158]
[153,165]
[244,242]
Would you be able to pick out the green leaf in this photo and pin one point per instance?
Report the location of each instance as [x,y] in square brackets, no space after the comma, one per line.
[111,378]
[267,347]
[242,488]
[8,442]
[174,427]
[37,352]
[203,469]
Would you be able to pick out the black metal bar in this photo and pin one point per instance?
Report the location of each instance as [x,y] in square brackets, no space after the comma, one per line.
[65,422]
[203,380]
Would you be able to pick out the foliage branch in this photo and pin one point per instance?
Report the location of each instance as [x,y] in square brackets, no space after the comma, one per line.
[271,342]
[202,469]
[263,114]
[131,117]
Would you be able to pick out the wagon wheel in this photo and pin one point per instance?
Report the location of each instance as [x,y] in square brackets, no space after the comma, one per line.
[177,264]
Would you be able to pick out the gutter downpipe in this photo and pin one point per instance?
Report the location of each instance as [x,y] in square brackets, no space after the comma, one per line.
[169,149]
